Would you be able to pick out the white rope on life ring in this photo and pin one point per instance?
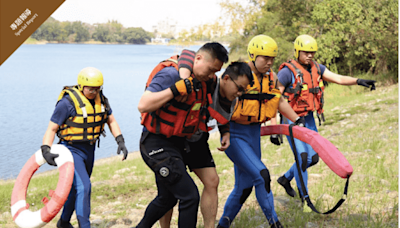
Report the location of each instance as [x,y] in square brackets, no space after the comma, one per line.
[19,208]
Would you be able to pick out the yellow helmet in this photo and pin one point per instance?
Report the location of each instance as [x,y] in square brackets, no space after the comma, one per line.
[304,43]
[262,45]
[90,76]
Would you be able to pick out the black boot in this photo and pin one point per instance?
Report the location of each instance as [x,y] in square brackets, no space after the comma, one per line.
[286,184]
[277,225]
[64,224]
[219,226]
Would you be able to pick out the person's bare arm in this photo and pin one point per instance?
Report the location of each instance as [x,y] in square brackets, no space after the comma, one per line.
[151,101]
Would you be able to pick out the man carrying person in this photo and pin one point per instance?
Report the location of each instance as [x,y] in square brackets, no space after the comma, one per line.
[172,110]
[224,92]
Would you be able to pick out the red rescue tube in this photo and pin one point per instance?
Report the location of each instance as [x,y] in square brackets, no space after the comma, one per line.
[332,157]
[19,208]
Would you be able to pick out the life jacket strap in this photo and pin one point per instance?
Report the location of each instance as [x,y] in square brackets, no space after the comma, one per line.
[81,104]
[259,97]
[315,90]
[71,123]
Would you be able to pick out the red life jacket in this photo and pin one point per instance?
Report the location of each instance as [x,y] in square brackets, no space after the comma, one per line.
[307,92]
[177,118]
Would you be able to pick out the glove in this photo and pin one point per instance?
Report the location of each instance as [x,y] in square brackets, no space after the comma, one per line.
[121,146]
[366,83]
[275,140]
[182,87]
[300,122]
[49,157]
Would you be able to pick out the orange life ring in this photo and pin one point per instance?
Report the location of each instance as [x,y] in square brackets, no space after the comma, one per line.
[19,208]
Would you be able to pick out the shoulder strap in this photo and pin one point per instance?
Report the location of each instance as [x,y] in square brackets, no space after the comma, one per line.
[318,68]
[78,98]
[305,196]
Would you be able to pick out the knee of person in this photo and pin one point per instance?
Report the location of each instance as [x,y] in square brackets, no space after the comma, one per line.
[212,182]
[304,164]
[267,179]
[164,201]
[195,197]
[245,194]
[314,160]
[85,188]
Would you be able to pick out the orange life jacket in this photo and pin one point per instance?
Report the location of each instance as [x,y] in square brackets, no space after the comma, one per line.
[307,91]
[181,119]
[260,102]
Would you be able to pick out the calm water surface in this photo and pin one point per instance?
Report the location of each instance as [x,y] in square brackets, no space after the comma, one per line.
[33,77]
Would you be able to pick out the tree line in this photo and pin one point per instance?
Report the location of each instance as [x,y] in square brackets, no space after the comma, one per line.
[353,36]
[77,31]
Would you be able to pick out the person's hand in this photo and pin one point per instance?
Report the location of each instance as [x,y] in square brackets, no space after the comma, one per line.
[366,83]
[121,146]
[49,157]
[275,139]
[182,87]
[225,142]
[300,122]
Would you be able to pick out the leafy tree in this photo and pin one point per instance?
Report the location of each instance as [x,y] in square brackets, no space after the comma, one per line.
[101,33]
[358,34]
[136,36]
[353,35]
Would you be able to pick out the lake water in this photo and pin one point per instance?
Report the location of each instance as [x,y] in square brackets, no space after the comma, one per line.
[33,76]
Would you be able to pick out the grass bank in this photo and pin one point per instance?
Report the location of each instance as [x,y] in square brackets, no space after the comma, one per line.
[363,125]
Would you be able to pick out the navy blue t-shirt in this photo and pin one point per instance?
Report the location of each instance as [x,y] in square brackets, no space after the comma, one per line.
[286,77]
[164,79]
[64,110]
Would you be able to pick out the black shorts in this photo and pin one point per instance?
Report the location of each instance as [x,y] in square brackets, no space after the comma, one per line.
[200,154]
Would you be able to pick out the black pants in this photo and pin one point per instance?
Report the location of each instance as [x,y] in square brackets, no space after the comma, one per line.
[164,156]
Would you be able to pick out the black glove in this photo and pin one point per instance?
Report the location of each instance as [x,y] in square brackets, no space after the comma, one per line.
[275,140]
[300,122]
[121,146]
[49,157]
[182,87]
[366,83]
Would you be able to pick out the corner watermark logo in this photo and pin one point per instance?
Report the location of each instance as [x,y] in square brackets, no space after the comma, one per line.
[19,22]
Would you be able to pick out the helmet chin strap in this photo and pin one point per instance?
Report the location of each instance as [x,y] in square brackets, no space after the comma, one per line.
[254,64]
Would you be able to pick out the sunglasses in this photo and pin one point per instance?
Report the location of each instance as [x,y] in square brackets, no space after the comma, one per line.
[93,89]
[240,88]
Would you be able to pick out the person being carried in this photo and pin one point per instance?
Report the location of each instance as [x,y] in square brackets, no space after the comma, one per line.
[301,81]
[173,109]
[78,120]
[258,105]
[224,92]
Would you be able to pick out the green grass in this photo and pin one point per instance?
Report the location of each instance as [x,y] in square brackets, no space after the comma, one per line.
[362,124]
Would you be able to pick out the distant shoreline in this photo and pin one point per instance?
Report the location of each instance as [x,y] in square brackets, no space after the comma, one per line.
[42,42]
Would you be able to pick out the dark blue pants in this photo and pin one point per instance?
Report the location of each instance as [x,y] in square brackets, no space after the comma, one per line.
[79,196]
[245,153]
[301,147]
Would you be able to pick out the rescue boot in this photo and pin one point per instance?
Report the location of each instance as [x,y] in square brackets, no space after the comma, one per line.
[64,224]
[286,184]
[277,225]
